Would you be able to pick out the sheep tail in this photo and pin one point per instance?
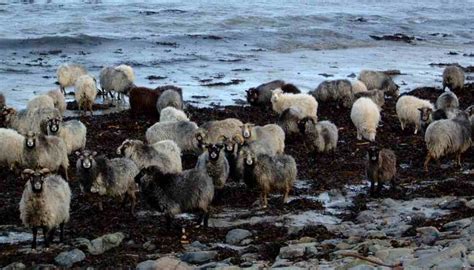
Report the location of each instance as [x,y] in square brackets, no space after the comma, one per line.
[397,266]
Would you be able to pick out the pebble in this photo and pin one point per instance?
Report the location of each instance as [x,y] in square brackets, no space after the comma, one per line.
[164,263]
[428,235]
[68,258]
[198,257]
[458,224]
[235,236]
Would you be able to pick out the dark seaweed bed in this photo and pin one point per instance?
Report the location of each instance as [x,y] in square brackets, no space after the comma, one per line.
[325,172]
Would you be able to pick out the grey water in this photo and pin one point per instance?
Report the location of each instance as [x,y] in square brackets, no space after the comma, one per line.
[196,43]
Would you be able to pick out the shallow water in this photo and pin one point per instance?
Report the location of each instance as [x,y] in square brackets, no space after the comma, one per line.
[190,41]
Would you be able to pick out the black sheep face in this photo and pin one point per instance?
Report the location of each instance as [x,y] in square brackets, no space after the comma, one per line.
[30,140]
[229,147]
[53,125]
[36,178]
[373,154]
[302,124]
[86,158]
[252,95]
[214,151]
[249,158]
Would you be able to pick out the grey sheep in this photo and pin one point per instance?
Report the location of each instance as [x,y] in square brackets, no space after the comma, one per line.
[45,204]
[288,120]
[381,167]
[118,79]
[321,136]
[448,136]
[166,154]
[184,133]
[212,131]
[427,116]
[58,99]
[214,162]
[336,90]
[271,173]
[41,151]
[379,80]
[169,98]
[271,135]
[177,193]
[24,120]
[11,147]
[377,96]
[453,78]
[447,101]
[73,133]
[107,177]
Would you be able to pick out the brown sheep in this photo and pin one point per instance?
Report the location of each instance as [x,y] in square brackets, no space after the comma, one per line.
[143,100]
[381,167]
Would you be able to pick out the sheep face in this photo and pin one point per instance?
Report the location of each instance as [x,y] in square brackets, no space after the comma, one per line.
[30,140]
[229,145]
[53,125]
[36,178]
[373,154]
[86,158]
[247,130]
[425,113]
[391,87]
[369,133]
[249,157]
[252,96]
[200,136]
[146,175]
[214,151]
[122,148]
[276,95]
[305,123]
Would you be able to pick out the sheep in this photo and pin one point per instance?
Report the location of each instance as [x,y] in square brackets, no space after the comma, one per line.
[169,98]
[365,116]
[170,114]
[67,75]
[143,100]
[447,101]
[119,79]
[358,87]
[73,133]
[41,151]
[337,90]
[271,173]
[381,167]
[184,133]
[322,136]
[45,204]
[166,155]
[379,80]
[231,154]
[262,94]
[427,116]
[212,131]
[288,120]
[448,136]
[453,78]
[58,100]
[377,96]
[272,134]
[24,120]
[11,147]
[85,93]
[306,103]
[2,101]
[215,164]
[107,177]
[408,110]
[176,193]
[40,102]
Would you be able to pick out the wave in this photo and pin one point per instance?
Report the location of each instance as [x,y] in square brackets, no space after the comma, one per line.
[57,41]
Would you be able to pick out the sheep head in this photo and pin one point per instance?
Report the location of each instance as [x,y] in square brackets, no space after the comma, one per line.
[36,178]
[247,130]
[373,154]
[30,140]
[200,135]
[228,143]
[214,150]
[470,110]
[86,158]
[248,156]
[252,96]
[238,139]
[124,146]
[304,123]
[276,95]
[53,125]
[425,113]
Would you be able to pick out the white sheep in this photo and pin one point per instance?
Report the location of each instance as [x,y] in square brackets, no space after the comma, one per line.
[408,110]
[40,102]
[68,74]
[358,86]
[170,114]
[45,203]
[282,101]
[365,116]
[271,133]
[86,92]
[25,121]
[58,99]
[73,133]
[11,147]
[181,132]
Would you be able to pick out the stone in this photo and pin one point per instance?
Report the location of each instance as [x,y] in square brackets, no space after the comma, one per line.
[366,216]
[452,203]
[394,255]
[100,244]
[428,261]
[235,236]
[470,258]
[68,258]
[198,257]
[281,263]
[343,245]
[470,204]
[198,245]
[363,267]
[15,266]
[291,252]
[149,246]
[164,263]
[428,235]
[458,224]
[452,263]
[376,234]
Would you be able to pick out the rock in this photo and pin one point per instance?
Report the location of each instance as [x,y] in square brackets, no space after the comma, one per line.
[366,216]
[235,236]
[470,204]
[15,266]
[198,245]
[394,255]
[452,263]
[343,245]
[470,258]
[164,263]
[45,267]
[363,267]
[397,231]
[376,234]
[428,261]
[291,252]
[68,258]
[428,235]
[452,203]
[246,242]
[249,257]
[149,246]
[458,224]
[281,263]
[198,257]
[100,244]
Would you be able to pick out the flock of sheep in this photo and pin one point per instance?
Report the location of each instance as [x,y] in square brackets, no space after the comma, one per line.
[36,142]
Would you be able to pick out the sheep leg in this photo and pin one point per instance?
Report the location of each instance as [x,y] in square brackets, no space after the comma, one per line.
[372,187]
[285,196]
[359,135]
[51,235]
[206,219]
[111,95]
[379,186]
[66,176]
[416,129]
[101,207]
[402,124]
[427,160]
[63,90]
[46,236]
[61,232]
[133,200]
[458,159]
[265,202]
[35,233]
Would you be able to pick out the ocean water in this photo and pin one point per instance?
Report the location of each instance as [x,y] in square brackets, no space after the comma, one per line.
[196,43]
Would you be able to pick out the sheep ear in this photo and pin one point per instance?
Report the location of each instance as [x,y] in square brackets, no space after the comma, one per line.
[94,153]
[420,109]
[26,173]
[78,153]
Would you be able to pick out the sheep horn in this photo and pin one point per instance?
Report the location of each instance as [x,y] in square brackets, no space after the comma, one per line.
[45,171]
[238,139]
[26,172]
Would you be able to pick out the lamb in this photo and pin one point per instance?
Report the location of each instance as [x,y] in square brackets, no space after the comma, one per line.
[212,131]
[453,78]
[358,87]
[107,177]
[11,147]
[262,94]
[427,116]
[448,136]
[176,193]
[306,103]
[143,100]
[119,79]
[377,96]
[58,100]
[381,167]
[447,101]
[85,93]
[184,133]
[42,151]
[231,154]
[365,116]
[24,120]
[336,90]
[73,133]
[408,110]
[271,173]
[271,133]
[215,164]
[288,120]
[322,136]
[166,155]
[379,80]
[68,74]
[45,204]
[40,102]
[171,114]
[169,98]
